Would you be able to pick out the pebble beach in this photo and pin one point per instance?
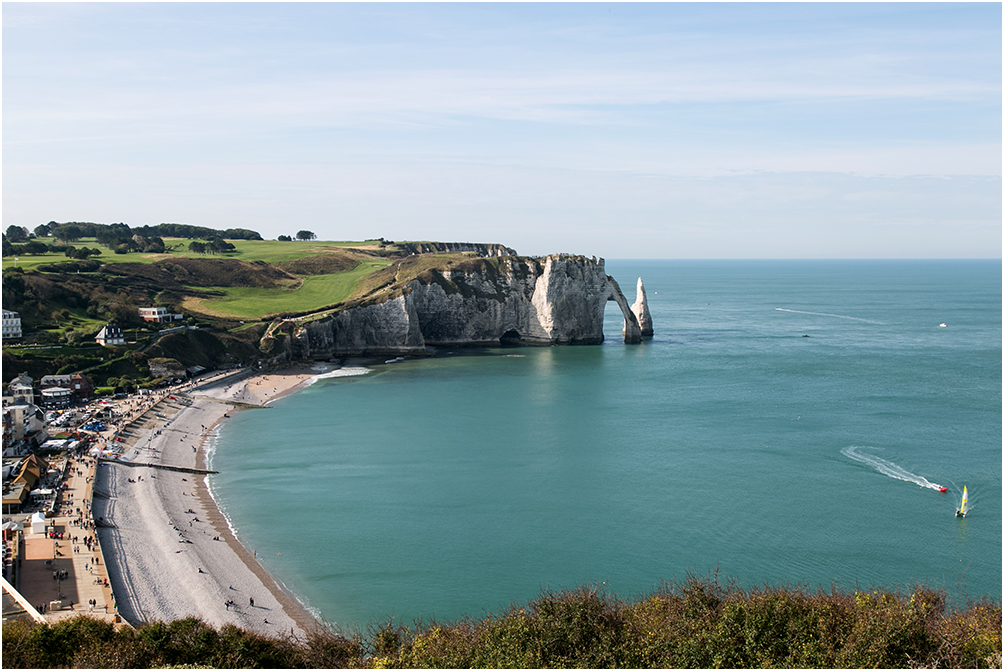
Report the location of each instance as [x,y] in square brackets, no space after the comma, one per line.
[170,552]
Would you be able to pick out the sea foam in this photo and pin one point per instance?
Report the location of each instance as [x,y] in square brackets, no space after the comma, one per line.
[348,371]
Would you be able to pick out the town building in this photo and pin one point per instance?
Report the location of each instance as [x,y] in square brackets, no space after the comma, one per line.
[80,386]
[111,334]
[23,425]
[158,315]
[26,472]
[21,390]
[57,397]
[23,428]
[11,325]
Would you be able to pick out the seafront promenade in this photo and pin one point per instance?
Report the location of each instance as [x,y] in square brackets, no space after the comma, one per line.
[61,572]
[60,569]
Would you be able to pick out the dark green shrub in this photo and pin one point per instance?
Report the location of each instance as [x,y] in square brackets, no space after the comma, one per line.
[697,624]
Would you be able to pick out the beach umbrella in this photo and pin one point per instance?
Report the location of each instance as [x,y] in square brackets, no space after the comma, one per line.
[12,526]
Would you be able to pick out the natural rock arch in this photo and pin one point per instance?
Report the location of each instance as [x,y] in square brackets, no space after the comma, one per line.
[632,330]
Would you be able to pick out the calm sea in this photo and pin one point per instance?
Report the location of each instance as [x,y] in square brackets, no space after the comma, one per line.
[730,442]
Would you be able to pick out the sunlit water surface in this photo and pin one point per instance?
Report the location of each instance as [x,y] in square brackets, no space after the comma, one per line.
[460,484]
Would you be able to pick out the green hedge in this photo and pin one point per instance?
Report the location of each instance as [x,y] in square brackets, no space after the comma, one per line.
[696,624]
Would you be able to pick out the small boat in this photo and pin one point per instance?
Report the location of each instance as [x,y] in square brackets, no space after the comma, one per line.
[943,325]
[942,489]
[961,512]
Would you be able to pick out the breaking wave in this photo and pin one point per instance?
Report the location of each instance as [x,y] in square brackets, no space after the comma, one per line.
[348,371]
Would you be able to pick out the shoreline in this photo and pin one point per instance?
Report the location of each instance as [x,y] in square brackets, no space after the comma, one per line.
[291,604]
[161,568]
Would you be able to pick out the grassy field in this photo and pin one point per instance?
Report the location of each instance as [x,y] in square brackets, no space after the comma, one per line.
[315,292]
[250,303]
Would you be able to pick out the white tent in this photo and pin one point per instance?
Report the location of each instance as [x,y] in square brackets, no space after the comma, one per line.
[12,526]
[37,523]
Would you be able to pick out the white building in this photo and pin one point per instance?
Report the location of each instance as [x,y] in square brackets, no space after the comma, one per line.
[21,389]
[111,334]
[11,325]
[159,315]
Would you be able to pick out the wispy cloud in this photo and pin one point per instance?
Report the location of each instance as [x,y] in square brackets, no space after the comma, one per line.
[521,97]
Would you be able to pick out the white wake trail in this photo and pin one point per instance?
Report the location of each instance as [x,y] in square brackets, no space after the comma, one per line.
[887,467]
[827,314]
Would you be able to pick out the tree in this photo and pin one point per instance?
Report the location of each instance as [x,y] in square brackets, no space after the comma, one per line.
[113,234]
[34,248]
[219,246]
[305,235]
[84,252]
[43,231]
[16,233]
[69,232]
[284,238]
[197,247]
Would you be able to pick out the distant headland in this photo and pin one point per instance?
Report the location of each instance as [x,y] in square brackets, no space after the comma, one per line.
[187,298]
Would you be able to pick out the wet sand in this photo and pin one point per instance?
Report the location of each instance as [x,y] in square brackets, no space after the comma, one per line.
[169,551]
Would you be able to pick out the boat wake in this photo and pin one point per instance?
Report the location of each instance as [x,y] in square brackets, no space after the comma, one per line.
[827,314]
[888,468]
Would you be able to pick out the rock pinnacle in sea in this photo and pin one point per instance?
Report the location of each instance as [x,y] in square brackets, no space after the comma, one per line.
[640,310]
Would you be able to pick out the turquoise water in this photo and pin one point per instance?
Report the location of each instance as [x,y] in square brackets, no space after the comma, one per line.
[461,484]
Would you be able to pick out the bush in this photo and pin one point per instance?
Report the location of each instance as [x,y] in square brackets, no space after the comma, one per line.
[697,624]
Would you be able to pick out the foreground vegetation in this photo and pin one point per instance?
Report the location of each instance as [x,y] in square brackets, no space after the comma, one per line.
[696,624]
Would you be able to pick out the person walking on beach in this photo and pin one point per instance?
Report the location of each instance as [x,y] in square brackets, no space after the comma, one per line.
[251,601]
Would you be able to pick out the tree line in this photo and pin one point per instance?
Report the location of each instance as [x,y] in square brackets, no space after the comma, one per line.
[300,235]
[119,237]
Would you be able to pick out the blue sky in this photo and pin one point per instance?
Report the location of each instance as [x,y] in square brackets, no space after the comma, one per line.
[620,130]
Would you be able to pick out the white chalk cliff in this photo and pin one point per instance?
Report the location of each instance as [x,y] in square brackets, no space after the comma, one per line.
[554,300]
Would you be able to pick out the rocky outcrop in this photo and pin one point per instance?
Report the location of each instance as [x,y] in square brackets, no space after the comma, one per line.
[164,367]
[640,310]
[554,300]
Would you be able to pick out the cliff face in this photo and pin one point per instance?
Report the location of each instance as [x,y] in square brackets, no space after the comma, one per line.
[556,300]
[481,249]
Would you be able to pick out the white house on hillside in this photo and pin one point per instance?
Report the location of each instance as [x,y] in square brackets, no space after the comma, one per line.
[11,325]
[111,334]
[159,315]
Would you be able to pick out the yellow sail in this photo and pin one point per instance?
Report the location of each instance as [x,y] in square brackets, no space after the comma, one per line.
[965,500]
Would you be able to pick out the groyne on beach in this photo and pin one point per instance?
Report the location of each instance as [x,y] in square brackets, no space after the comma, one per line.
[170,551]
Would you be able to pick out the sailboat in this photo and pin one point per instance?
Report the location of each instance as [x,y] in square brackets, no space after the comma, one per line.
[961,512]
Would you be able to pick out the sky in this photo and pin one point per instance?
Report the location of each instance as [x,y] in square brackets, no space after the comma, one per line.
[648,130]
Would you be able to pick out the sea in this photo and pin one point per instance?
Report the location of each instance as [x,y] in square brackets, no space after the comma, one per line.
[789,424]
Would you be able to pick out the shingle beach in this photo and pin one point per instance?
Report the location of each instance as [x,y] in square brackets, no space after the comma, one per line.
[170,553]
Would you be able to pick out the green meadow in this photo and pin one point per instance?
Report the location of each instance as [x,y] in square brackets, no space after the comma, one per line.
[250,303]
[253,303]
